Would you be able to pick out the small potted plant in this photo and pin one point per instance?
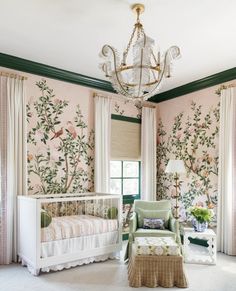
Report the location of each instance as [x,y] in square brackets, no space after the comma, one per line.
[201,217]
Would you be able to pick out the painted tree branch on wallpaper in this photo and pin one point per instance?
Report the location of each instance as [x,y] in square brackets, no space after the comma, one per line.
[194,139]
[121,108]
[62,152]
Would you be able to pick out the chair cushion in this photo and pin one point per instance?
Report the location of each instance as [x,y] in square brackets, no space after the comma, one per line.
[140,232]
[162,214]
[162,246]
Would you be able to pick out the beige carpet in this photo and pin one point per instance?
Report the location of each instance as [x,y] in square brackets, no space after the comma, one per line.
[112,276]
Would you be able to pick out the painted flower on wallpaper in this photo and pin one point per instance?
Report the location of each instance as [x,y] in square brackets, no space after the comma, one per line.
[118,110]
[62,159]
[138,105]
[121,109]
[193,139]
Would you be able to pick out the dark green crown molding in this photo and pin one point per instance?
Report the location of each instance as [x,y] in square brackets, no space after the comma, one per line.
[24,65]
[203,83]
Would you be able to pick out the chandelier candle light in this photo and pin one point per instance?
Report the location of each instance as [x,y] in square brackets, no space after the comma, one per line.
[176,167]
[140,79]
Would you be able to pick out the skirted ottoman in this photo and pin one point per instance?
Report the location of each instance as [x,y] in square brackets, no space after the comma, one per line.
[156,262]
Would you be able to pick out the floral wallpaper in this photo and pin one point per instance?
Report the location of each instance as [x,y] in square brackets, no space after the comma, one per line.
[192,136]
[61,135]
[61,144]
[126,215]
[127,108]
[61,141]
[60,147]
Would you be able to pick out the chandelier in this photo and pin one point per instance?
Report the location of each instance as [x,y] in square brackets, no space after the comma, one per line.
[138,77]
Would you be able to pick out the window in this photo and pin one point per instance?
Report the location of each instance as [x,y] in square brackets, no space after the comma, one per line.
[125,178]
[125,139]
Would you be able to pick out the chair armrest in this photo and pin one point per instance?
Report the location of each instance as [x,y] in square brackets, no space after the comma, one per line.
[172,224]
[133,223]
[132,229]
[174,227]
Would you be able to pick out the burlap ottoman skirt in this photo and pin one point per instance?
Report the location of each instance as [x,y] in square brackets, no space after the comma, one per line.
[154,271]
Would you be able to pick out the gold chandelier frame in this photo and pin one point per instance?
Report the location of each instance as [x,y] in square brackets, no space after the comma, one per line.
[139,89]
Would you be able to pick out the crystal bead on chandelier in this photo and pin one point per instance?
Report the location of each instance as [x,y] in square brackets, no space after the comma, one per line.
[140,80]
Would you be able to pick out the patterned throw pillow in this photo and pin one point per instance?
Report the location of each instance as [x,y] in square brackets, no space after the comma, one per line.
[160,214]
[96,210]
[104,211]
[89,208]
[153,223]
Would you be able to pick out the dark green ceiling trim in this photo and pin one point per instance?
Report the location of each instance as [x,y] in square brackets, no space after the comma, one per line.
[31,67]
[24,65]
[126,118]
[196,85]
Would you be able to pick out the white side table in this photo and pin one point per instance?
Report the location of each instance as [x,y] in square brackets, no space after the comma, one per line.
[209,256]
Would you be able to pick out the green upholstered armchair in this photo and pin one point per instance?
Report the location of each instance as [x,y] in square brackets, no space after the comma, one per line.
[152,209]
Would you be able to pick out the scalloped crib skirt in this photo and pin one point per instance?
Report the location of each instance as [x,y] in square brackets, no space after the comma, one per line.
[75,245]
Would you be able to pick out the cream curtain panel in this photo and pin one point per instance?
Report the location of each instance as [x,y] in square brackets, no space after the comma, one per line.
[13,159]
[226,227]
[102,143]
[148,154]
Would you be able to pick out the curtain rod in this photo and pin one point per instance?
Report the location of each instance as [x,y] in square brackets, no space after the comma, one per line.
[12,75]
[95,94]
[224,87]
[149,105]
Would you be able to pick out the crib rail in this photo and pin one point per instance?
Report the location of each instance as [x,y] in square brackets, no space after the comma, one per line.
[71,196]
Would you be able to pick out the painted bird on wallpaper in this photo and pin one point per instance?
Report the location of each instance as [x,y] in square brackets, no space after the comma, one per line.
[71,129]
[57,133]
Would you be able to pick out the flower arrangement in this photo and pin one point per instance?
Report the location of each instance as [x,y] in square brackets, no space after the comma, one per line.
[201,214]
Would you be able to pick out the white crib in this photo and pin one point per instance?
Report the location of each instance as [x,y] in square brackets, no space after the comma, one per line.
[76,236]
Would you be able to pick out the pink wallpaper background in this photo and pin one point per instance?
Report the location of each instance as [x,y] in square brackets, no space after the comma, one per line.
[188,130]
[52,159]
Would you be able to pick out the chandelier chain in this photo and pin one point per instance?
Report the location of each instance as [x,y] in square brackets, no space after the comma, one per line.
[139,27]
[128,46]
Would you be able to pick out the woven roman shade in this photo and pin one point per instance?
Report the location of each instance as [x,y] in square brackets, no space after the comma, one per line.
[125,140]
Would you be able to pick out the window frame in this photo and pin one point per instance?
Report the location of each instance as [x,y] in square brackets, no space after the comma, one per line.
[122,178]
[129,199]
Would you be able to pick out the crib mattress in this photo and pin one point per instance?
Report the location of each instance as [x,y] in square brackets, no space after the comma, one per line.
[75,226]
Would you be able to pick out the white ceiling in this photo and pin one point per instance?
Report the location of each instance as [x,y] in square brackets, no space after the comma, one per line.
[69,34]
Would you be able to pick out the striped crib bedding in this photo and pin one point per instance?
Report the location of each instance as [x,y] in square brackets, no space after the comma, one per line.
[76,226]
